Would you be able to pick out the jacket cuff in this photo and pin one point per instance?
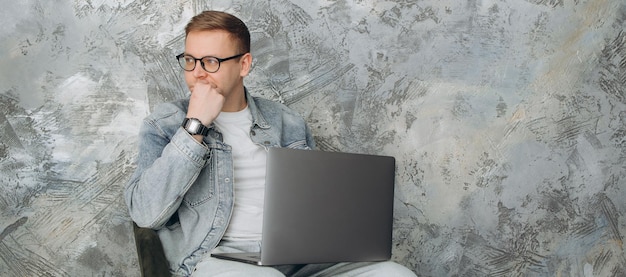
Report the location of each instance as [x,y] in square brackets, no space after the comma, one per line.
[192,149]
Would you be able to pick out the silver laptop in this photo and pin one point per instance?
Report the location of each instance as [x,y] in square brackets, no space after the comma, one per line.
[323,207]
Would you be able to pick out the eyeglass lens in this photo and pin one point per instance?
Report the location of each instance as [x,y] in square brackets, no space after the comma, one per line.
[210,64]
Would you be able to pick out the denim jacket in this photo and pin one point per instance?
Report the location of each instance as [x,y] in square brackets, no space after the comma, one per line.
[184,189]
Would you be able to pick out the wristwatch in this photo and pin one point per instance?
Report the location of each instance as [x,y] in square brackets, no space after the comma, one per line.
[193,126]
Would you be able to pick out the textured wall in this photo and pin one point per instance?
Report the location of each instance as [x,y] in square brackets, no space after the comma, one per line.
[507,119]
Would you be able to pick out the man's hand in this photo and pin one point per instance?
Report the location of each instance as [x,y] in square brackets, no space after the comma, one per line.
[205,104]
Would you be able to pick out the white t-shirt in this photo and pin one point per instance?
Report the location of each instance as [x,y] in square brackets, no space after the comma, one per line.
[249,172]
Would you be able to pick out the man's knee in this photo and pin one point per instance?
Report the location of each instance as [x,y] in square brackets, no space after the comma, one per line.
[215,267]
[388,268]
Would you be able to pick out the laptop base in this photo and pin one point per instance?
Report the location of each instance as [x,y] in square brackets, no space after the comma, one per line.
[247,257]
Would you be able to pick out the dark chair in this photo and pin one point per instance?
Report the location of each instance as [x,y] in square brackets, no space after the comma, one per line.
[152,261]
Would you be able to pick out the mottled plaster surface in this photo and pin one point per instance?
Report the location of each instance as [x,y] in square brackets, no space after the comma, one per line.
[507,119]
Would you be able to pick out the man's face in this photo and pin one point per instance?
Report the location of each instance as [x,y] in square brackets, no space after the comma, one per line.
[218,44]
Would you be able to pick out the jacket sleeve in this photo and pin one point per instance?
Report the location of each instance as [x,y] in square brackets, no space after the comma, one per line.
[167,166]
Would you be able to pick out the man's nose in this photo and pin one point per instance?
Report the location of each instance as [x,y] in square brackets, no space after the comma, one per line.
[199,71]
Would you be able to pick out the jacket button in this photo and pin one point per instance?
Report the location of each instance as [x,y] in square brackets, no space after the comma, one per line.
[253,133]
[226,180]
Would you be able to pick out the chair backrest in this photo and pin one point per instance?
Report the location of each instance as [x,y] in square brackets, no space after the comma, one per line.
[152,261]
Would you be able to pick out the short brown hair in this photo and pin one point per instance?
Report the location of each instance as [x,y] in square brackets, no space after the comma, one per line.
[216,20]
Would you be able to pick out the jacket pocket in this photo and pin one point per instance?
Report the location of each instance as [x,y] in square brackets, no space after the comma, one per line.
[200,192]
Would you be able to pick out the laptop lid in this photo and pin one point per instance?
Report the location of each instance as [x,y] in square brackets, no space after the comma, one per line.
[324,207]
[327,207]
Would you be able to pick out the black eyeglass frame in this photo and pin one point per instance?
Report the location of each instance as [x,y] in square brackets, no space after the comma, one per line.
[219,61]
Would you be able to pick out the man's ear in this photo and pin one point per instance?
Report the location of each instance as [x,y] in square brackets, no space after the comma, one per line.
[246,64]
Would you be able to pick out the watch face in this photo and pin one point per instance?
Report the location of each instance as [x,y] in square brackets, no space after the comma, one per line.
[194,126]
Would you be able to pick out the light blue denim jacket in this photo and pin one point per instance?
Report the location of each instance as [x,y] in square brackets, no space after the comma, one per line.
[184,189]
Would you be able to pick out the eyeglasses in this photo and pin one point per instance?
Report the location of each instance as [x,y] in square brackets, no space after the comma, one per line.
[209,63]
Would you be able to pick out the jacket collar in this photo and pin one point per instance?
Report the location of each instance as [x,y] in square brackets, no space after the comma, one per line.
[257,117]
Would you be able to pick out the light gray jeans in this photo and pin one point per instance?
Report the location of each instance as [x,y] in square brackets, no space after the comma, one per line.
[210,266]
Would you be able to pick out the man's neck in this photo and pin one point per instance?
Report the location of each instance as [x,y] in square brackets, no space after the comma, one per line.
[236,102]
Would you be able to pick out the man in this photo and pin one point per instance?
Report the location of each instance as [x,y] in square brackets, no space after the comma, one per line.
[200,171]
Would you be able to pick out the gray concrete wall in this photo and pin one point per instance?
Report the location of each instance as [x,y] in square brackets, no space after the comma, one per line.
[507,119]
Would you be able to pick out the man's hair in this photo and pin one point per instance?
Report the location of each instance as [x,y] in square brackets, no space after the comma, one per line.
[216,20]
